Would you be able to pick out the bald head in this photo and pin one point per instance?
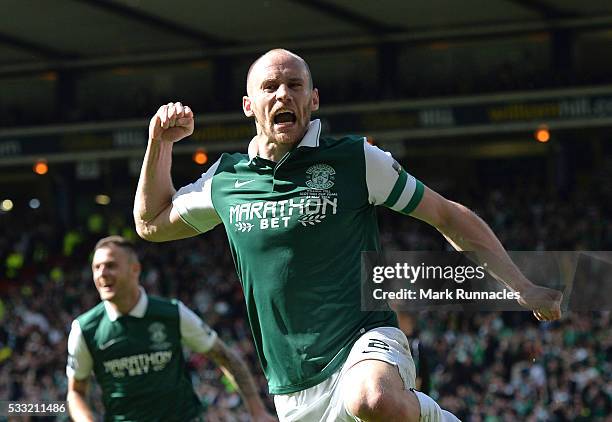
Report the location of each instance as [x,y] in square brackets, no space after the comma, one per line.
[274,55]
[280,97]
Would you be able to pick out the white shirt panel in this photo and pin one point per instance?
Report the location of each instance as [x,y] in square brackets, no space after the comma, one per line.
[380,174]
[194,202]
[195,333]
[80,362]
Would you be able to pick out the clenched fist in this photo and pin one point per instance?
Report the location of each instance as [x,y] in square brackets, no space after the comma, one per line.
[171,123]
[544,302]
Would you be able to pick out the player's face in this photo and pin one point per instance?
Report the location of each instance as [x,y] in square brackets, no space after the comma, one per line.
[280,98]
[115,272]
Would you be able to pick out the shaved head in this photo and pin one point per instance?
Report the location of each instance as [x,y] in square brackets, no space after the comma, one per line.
[277,52]
[280,97]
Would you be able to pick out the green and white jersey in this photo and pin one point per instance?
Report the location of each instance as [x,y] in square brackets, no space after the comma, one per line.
[138,358]
[296,230]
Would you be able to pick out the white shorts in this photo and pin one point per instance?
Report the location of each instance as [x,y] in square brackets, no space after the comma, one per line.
[324,402]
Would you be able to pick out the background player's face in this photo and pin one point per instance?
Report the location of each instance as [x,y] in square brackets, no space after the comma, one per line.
[115,272]
[280,97]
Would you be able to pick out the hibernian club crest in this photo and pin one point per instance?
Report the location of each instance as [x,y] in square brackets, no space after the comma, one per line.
[320,176]
[158,332]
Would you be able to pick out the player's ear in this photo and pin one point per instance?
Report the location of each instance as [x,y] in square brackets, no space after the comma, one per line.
[315,100]
[136,268]
[246,106]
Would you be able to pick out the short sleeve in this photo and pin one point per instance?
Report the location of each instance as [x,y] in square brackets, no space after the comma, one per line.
[80,362]
[194,202]
[195,333]
[388,183]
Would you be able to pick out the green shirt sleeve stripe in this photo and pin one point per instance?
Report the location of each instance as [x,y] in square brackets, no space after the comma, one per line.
[416,198]
[397,190]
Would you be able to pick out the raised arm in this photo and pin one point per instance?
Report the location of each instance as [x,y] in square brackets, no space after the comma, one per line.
[467,232]
[155,218]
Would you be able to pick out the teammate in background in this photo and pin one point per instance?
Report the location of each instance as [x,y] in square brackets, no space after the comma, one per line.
[298,210]
[133,343]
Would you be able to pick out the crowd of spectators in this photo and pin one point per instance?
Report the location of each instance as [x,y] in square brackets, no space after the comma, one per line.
[495,366]
[506,76]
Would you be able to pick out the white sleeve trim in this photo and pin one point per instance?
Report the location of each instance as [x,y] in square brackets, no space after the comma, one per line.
[194,202]
[80,362]
[386,181]
[406,195]
[195,333]
[380,174]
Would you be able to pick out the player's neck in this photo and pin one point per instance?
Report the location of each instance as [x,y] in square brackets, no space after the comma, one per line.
[274,151]
[125,304]
[271,149]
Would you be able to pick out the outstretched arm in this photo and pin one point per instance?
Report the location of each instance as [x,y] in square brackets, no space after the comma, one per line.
[390,185]
[235,368]
[467,232]
[155,218]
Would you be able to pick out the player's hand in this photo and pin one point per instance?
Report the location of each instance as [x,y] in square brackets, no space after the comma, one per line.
[171,123]
[544,302]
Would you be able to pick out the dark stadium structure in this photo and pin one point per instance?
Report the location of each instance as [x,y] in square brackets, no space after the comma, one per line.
[502,105]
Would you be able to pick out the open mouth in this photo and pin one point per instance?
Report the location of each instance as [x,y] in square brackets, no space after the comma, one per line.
[284,118]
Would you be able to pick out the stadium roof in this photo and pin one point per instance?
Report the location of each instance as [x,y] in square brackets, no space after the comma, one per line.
[38,35]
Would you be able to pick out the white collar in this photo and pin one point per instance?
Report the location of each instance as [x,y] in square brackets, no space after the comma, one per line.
[137,311]
[310,139]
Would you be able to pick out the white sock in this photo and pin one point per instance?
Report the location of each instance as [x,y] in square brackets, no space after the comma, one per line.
[431,411]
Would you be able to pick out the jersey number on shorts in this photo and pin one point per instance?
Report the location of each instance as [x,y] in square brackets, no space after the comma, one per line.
[376,344]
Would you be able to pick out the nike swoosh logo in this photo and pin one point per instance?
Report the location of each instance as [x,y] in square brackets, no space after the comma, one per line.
[240,184]
[110,343]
